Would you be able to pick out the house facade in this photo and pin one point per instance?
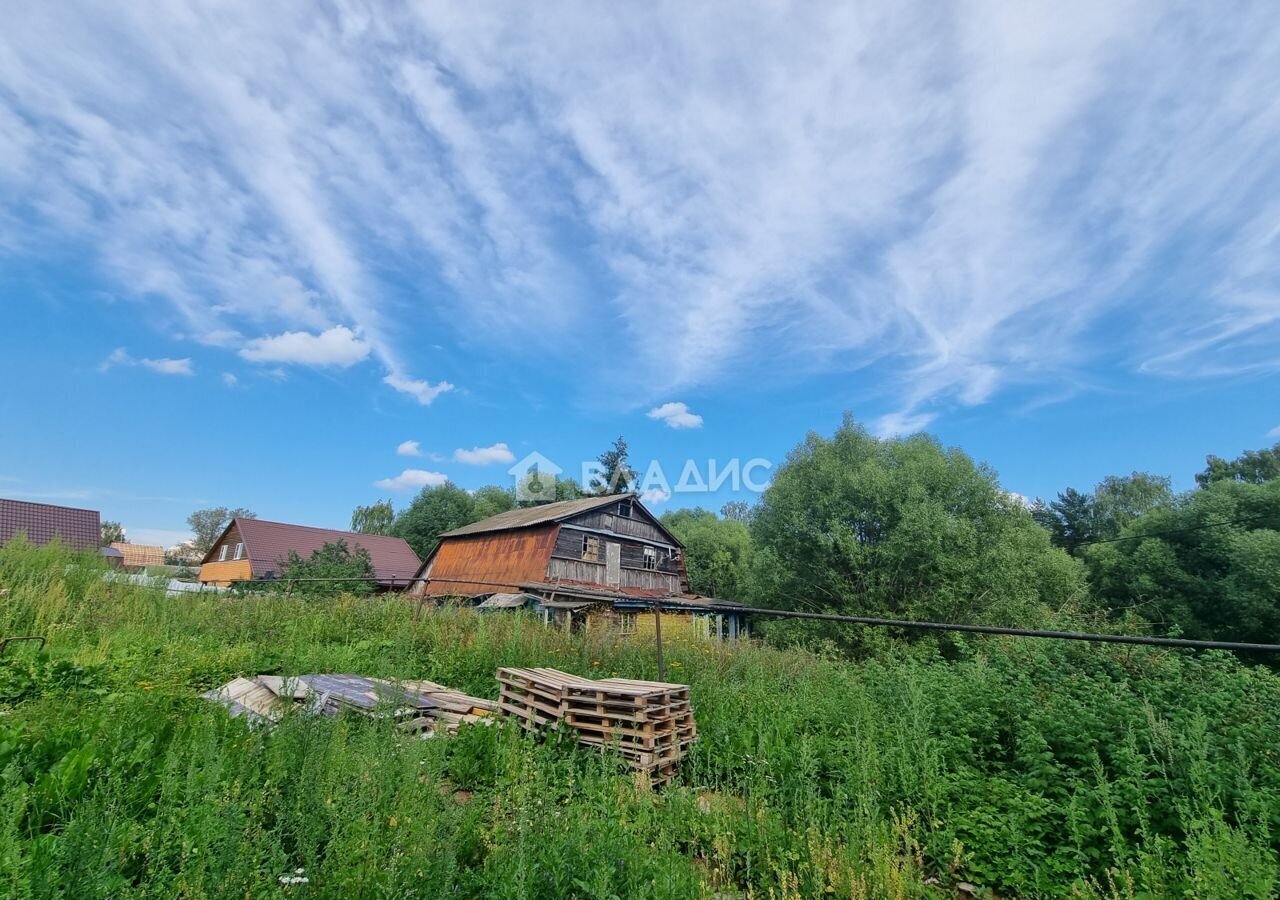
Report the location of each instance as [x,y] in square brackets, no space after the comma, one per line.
[605,564]
[253,549]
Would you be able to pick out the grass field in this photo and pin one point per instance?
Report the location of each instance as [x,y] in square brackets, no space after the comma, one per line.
[1023,768]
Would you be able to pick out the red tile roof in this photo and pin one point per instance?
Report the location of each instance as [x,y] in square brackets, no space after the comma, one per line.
[266,544]
[42,522]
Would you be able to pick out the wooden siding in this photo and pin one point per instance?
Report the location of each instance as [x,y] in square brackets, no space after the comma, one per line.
[229,540]
[638,526]
[605,623]
[567,562]
[496,560]
[223,573]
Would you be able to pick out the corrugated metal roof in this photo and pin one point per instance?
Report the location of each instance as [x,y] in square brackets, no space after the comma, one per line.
[537,515]
[268,543]
[506,601]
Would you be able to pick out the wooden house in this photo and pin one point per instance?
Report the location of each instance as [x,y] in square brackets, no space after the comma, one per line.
[257,549]
[595,563]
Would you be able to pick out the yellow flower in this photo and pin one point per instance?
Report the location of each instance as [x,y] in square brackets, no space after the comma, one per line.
[394,822]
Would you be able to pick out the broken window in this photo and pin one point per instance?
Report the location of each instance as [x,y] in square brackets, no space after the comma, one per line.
[591,547]
[650,558]
[627,623]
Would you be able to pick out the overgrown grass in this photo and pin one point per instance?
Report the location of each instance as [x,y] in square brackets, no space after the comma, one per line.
[1031,769]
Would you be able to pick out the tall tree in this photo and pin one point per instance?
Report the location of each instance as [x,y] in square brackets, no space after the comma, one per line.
[1076,519]
[434,511]
[112,532]
[490,500]
[617,475]
[904,528]
[377,518]
[207,524]
[717,552]
[1208,565]
[736,511]
[1250,467]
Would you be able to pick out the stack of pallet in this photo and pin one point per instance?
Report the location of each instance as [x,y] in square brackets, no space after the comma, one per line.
[650,723]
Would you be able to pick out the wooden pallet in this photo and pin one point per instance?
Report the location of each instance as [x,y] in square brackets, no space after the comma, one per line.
[650,724]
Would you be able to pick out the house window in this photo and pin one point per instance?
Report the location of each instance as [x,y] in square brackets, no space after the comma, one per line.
[591,547]
[627,622]
[239,551]
[624,509]
[675,554]
[650,558]
[222,553]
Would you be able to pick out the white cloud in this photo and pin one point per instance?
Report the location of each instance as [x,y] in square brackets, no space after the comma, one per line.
[230,380]
[967,196]
[655,495]
[165,366]
[338,346]
[484,456]
[411,479]
[676,415]
[902,423]
[409,448]
[163,537]
[1274,432]
[422,391]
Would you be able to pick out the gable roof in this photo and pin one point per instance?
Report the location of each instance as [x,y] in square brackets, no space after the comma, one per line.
[266,544]
[140,554]
[537,515]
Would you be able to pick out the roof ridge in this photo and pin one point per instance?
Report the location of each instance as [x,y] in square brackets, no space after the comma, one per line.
[317,528]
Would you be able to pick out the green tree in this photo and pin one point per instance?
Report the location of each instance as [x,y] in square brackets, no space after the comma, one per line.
[112,532]
[1076,519]
[902,528]
[617,475]
[737,511]
[334,561]
[1220,582]
[207,524]
[377,518]
[491,500]
[434,511]
[717,552]
[1250,467]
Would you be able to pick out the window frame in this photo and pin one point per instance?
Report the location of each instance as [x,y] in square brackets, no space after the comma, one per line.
[222,553]
[650,557]
[628,622]
[587,541]
[624,509]
[239,554]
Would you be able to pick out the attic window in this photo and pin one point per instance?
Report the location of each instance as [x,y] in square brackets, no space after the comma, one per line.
[624,509]
[675,554]
[591,547]
[222,553]
[650,558]
[239,551]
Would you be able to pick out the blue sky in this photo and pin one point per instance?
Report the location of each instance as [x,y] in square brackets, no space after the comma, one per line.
[249,250]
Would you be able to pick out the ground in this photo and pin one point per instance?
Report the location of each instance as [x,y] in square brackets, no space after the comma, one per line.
[1016,768]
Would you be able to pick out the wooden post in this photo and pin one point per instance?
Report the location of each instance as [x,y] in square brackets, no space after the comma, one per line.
[657,635]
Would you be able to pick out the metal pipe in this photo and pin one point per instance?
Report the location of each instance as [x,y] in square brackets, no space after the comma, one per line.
[1012,632]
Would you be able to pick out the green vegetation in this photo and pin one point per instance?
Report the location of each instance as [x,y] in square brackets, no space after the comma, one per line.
[376,518]
[717,552]
[1032,769]
[207,524]
[332,561]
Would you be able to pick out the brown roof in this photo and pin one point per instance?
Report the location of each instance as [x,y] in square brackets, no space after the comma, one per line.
[140,554]
[42,522]
[266,544]
[537,515]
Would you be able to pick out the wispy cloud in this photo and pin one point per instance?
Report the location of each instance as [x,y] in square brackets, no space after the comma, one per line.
[969,196]
[338,346]
[120,357]
[230,379]
[411,479]
[484,456]
[676,415]
[1274,432]
[898,424]
[409,448]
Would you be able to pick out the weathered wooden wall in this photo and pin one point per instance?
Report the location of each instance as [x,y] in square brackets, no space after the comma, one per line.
[497,560]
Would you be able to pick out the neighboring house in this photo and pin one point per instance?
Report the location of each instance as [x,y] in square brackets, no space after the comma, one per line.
[256,549]
[80,529]
[596,562]
[137,556]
